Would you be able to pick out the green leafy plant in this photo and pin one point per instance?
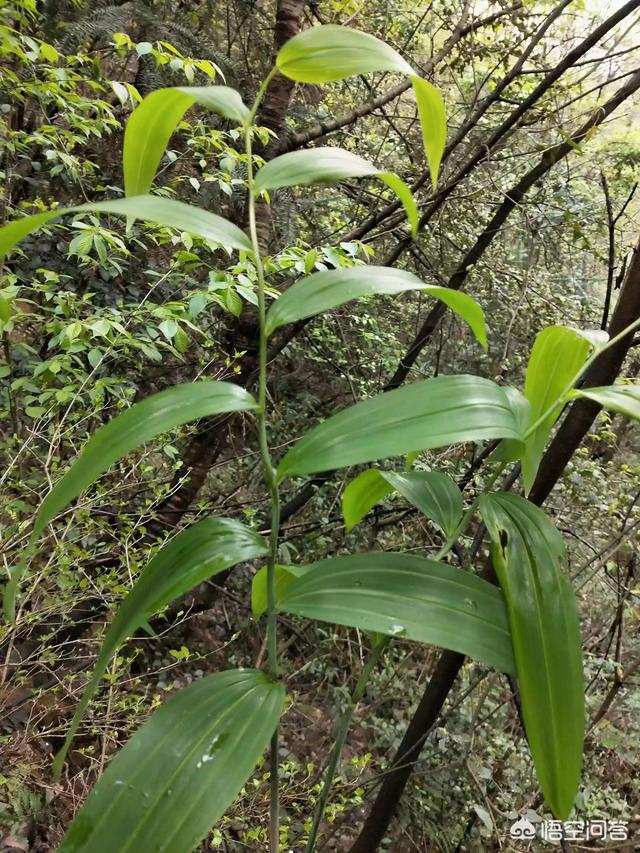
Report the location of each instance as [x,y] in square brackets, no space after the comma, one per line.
[192,757]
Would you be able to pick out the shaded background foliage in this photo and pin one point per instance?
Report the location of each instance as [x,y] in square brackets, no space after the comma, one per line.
[93,317]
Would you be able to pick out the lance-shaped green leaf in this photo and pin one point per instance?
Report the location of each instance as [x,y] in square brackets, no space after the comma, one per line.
[557,355]
[322,291]
[624,399]
[327,165]
[325,53]
[153,121]
[527,552]
[143,421]
[203,550]
[406,596]
[433,121]
[432,492]
[432,413]
[182,769]
[163,211]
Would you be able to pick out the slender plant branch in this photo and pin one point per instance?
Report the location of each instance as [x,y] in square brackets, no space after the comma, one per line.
[268,469]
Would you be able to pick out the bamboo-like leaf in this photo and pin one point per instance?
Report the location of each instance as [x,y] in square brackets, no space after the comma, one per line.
[325,53]
[203,550]
[527,553]
[322,291]
[327,165]
[181,770]
[152,123]
[433,493]
[557,355]
[432,413]
[406,596]
[624,399]
[433,120]
[143,421]
[163,211]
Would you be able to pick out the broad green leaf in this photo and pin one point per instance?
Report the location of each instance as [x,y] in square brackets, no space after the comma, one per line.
[362,494]
[163,211]
[326,165]
[182,769]
[151,124]
[432,413]
[527,552]
[203,550]
[322,291]
[624,399]
[557,355]
[325,53]
[433,493]
[132,428]
[406,596]
[433,120]
[259,592]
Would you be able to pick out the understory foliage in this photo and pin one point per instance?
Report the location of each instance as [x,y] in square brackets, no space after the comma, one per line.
[306,309]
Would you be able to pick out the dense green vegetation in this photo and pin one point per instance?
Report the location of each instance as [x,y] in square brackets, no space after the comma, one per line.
[263,443]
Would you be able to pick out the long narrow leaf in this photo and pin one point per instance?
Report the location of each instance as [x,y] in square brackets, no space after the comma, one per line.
[557,355]
[624,399]
[198,553]
[151,124]
[433,413]
[164,211]
[433,121]
[324,53]
[406,596]
[326,165]
[322,291]
[181,770]
[527,553]
[143,421]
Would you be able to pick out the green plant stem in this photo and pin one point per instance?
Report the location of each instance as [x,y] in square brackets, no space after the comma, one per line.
[340,737]
[268,471]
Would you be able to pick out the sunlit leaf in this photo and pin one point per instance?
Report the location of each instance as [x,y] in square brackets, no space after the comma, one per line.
[163,211]
[327,165]
[322,291]
[624,399]
[433,121]
[152,123]
[324,53]
[557,355]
